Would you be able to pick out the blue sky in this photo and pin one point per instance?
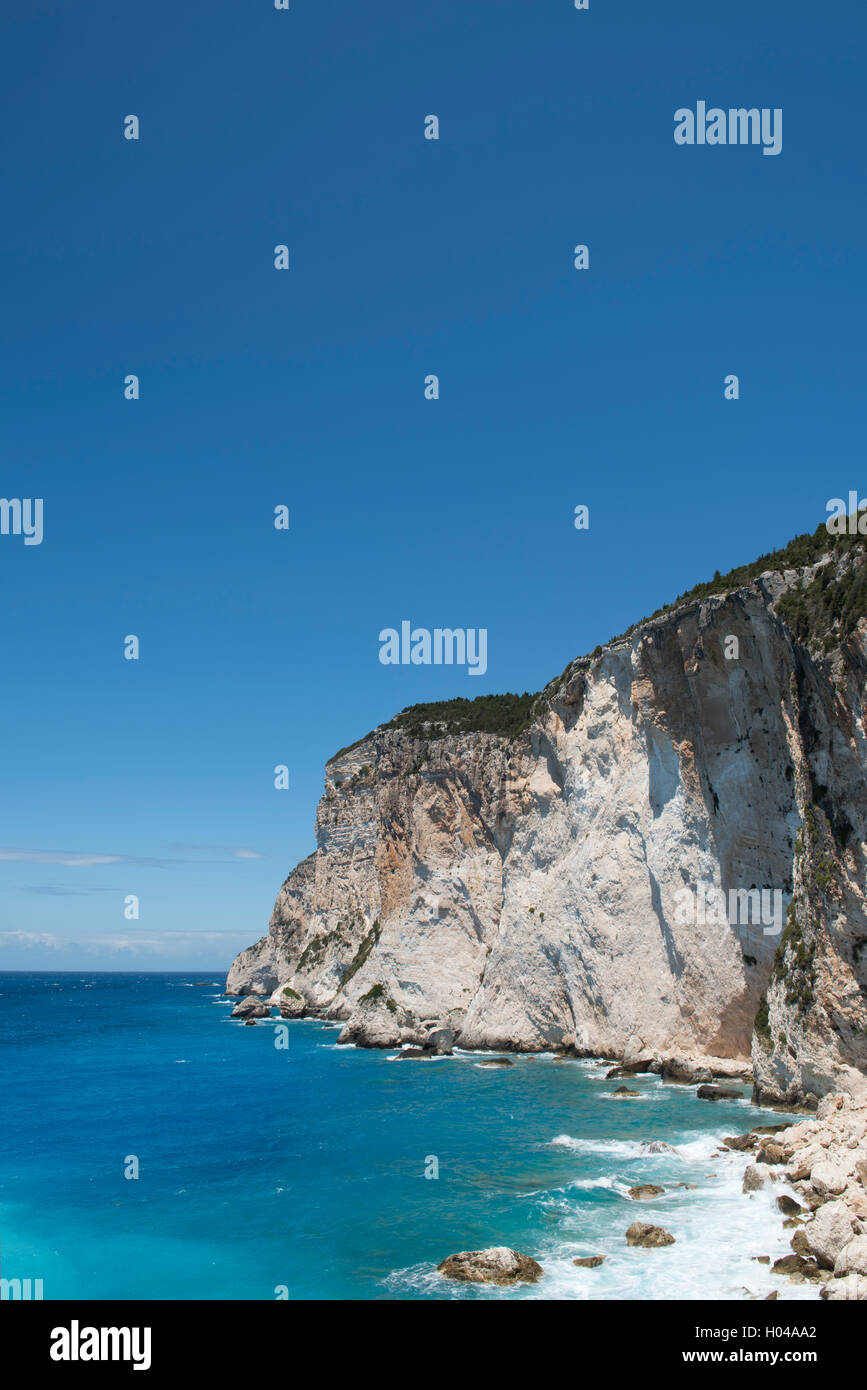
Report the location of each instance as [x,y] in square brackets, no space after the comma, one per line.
[306,388]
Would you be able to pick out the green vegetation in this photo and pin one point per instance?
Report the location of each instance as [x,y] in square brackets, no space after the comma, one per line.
[762,1024]
[828,610]
[315,949]
[820,616]
[794,964]
[374,994]
[507,715]
[825,872]
[803,550]
[291,992]
[362,953]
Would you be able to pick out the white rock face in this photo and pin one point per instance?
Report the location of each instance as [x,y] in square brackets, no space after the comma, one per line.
[529,894]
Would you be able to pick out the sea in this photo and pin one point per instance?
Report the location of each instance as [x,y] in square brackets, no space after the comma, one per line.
[153,1147]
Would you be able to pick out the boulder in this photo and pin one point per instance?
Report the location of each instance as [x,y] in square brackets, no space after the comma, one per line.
[441,1040]
[828,1179]
[755,1178]
[251,1008]
[657,1146]
[852,1259]
[647,1189]
[802,1164]
[412,1054]
[497,1062]
[623,1091]
[640,1233]
[788,1206]
[290,1003]
[498,1265]
[800,1244]
[681,1069]
[831,1105]
[828,1232]
[631,1069]
[850,1287]
[741,1141]
[589,1261]
[719,1093]
[797,1267]
[773,1153]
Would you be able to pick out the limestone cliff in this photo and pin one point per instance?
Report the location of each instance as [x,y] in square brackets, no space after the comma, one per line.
[534,890]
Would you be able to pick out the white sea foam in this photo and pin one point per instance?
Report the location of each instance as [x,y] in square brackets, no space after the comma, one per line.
[624,1148]
[717,1229]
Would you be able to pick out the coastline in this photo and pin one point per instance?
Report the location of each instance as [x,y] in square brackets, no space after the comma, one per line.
[823,1160]
[788,1163]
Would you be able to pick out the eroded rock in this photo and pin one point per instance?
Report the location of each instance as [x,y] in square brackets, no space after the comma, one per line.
[497,1265]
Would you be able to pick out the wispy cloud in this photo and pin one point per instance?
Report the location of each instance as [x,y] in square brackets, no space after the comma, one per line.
[233,851]
[64,890]
[162,943]
[88,859]
[72,859]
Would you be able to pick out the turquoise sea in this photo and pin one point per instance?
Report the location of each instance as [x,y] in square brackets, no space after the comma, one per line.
[303,1168]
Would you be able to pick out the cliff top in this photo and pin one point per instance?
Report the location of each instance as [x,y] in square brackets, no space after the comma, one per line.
[821,615]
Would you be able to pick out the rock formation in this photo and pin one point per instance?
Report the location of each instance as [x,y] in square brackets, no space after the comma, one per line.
[499,1265]
[825,1160]
[558,884]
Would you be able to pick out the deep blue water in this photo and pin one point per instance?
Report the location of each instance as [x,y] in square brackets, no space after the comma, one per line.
[262,1167]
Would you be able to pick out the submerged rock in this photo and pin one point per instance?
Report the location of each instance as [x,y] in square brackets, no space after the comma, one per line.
[498,1265]
[589,1261]
[644,1190]
[497,1062]
[623,1092]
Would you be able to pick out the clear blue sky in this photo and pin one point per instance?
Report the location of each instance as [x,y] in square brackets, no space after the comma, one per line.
[259,387]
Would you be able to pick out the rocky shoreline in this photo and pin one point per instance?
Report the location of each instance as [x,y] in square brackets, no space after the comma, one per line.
[820,1155]
[823,1160]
